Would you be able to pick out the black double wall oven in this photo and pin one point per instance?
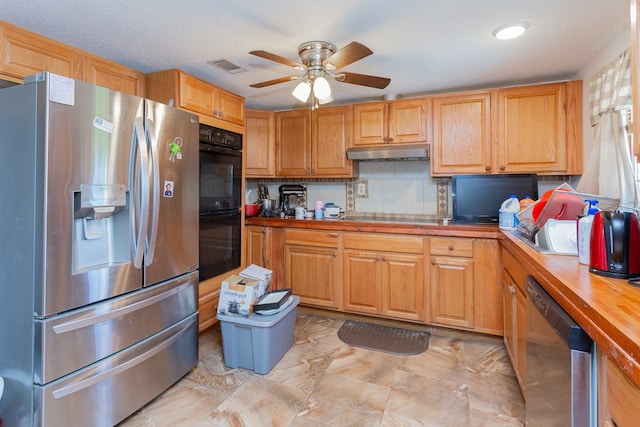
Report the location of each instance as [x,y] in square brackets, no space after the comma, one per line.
[220,200]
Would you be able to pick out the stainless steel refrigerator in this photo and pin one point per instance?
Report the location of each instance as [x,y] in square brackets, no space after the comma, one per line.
[99,252]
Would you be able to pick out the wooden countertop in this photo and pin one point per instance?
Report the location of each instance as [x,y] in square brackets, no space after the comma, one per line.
[607,309]
[396,227]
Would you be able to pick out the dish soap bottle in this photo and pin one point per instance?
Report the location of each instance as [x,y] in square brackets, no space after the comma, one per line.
[507,214]
[584,232]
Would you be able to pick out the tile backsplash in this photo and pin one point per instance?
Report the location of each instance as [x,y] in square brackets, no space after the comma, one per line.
[393,187]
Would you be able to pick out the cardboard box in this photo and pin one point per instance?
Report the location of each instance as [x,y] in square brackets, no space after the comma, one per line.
[237,295]
[260,274]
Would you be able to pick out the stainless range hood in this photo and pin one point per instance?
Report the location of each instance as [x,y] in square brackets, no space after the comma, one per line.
[389,152]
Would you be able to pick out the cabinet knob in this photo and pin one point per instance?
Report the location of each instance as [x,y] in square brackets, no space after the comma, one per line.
[390,139]
[487,168]
[502,168]
[451,247]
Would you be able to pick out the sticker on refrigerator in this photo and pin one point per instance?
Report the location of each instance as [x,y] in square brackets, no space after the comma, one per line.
[168,189]
[103,124]
[61,89]
[175,149]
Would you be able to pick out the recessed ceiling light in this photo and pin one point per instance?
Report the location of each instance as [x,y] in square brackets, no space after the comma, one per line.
[511,31]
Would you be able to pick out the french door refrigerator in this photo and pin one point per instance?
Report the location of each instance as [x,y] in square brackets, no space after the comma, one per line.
[99,251]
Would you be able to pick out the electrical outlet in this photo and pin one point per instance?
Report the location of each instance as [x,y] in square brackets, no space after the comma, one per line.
[361,189]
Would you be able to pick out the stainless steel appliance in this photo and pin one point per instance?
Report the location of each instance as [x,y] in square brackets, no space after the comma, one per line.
[99,265]
[220,200]
[558,359]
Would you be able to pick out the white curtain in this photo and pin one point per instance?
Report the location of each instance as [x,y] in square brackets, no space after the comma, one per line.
[609,170]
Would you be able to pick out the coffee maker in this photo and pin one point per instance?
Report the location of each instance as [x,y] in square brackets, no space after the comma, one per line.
[291,195]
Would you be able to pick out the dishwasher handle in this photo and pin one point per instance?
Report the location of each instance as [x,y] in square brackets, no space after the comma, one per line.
[563,325]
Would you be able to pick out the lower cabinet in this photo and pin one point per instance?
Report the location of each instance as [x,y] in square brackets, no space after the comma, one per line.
[384,275]
[515,315]
[618,396]
[312,266]
[465,284]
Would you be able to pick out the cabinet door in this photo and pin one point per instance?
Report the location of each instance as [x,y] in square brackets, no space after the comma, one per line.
[509,310]
[452,291]
[196,95]
[293,143]
[370,123]
[312,274]
[532,129]
[461,141]
[362,285]
[229,107]
[403,286]
[332,135]
[260,144]
[23,53]
[408,120]
[258,248]
[521,337]
[112,75]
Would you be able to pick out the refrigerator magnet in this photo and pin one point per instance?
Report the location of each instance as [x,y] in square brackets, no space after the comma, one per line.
[175,149]
[168,189]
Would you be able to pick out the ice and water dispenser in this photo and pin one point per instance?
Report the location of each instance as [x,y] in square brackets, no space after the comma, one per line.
[101,231]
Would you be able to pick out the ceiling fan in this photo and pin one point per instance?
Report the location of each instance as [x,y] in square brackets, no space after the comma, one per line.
[319,59]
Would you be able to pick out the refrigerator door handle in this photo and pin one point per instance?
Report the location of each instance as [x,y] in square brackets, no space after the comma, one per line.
[139,177]
[155,194]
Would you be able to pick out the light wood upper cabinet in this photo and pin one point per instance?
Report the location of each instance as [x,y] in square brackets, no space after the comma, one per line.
[527,129]
[260,144]
[401,121]
[293,143]
[113,75]
[23,53]
[461,141]
[175,87]
[532,124]
[314,144]
[332,134]
[384,275]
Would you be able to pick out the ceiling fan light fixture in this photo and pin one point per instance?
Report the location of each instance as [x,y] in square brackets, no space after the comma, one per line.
[511,31]
[321,88]
[302,91]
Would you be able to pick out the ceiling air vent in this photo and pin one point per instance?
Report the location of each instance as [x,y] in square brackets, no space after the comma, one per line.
[227,66]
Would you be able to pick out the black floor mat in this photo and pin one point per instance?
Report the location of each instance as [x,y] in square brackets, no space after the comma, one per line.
[384,338]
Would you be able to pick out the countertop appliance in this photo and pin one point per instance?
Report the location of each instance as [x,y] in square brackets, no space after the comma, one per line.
[291,195]
[558,360]
[99,266]
[615,245]
[477,199]
[220,200]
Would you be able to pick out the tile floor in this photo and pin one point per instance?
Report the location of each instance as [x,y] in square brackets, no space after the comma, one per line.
[461,380]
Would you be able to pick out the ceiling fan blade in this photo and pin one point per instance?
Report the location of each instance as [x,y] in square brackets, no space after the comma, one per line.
[277,58]
[274,81]
[363,80]
[349,54]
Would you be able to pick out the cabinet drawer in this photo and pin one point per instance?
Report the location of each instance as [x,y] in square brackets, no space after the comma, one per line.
[452,247]
[328,239]
[514,268]
[384,242]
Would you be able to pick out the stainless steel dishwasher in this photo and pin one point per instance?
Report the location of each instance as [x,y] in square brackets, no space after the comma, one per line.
[559,380]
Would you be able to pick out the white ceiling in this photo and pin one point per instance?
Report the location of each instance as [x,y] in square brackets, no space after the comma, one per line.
[424,46]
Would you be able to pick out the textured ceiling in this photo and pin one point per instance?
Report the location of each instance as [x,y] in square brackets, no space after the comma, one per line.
[424,46]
